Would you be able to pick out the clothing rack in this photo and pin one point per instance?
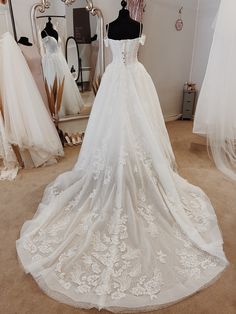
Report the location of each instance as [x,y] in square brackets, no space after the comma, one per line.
[46,16]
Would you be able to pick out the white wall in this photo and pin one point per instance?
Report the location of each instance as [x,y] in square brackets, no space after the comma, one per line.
[167,53]
[203,38]
[110,8]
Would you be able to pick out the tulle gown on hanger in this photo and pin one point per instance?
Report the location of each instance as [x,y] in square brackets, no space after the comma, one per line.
[122,230]
[26,120]
[34,61]
[8,161]
[55,65]
[215,115]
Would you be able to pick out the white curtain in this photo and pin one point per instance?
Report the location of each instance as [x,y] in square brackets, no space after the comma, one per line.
[215,115]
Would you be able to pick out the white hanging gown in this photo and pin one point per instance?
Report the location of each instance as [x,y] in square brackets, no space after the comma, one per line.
[122,230]
[26,119]
[8,162]
[215,115]
[55,65]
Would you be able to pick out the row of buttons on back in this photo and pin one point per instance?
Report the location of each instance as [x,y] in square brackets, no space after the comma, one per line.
[124,57]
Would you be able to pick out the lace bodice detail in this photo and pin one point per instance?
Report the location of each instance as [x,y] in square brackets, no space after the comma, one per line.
[125,51]
[50,45]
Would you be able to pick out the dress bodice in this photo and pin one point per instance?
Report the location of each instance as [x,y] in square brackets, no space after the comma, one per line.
[50,44]
[125,51]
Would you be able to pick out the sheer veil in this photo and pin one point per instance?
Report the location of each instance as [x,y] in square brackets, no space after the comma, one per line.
[215,115]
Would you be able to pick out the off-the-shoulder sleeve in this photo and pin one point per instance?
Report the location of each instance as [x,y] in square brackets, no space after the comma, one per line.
[106,41]
[142,39]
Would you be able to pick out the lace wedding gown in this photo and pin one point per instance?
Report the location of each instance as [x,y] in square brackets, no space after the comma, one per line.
[122,230]
[55,65]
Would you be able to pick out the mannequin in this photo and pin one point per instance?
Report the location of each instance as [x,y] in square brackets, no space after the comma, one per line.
[124,27]
[24,41]
[49,30]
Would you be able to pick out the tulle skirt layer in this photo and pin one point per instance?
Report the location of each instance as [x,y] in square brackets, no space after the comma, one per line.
[26,120]
[8,161]
[216,109]
[122,230]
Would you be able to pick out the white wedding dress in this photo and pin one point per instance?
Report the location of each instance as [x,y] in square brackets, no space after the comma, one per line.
[27,123]
[8,162]
[122,230]
[215,116]
[55,66]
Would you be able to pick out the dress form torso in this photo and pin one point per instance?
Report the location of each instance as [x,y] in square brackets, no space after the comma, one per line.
[49,30]
[124,27]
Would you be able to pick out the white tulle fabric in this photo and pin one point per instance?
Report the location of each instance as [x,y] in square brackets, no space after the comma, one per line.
[8,161]
[55,66]
[26,120]
[122,230]
[5,19]
[215,115]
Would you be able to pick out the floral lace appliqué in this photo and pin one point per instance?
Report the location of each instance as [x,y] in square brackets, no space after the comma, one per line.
[111,266]
[193,263]
[146,212]
[195,208]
